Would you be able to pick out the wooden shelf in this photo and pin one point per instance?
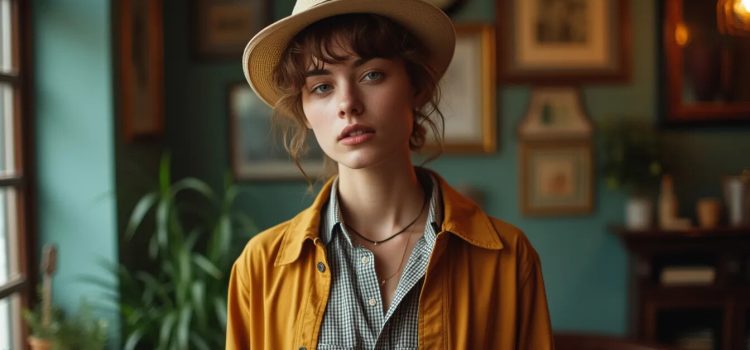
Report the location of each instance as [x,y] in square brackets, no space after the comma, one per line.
[660,312]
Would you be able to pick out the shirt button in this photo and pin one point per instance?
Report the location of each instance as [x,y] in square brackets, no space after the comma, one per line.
[372,301]
[365,260]
[321,267]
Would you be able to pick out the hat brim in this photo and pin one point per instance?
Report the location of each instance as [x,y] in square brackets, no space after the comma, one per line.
[427,22]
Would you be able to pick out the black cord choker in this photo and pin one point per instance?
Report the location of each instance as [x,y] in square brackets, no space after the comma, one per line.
[424,205]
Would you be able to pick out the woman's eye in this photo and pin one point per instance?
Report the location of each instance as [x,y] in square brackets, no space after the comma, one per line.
[321,89]
[374,75]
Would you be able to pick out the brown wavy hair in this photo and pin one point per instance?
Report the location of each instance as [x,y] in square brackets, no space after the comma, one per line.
[367,36]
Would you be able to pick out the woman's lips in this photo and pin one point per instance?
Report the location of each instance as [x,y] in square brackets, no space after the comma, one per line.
[355,134]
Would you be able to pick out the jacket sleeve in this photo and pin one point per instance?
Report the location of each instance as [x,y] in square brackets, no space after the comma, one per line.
[240,306]
[535,331]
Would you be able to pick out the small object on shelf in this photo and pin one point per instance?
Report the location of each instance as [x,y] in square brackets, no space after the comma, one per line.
[708,211]
[668,219]
[638,213]
[737,196]
[687,275]
[702,339]
[667,202]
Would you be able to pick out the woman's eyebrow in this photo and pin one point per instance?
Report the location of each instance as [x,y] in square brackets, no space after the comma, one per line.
[322,71]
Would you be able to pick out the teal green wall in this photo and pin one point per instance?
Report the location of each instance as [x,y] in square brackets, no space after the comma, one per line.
[585,266]
[75,146]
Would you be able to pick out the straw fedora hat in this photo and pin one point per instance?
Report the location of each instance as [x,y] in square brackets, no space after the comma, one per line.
[427,22]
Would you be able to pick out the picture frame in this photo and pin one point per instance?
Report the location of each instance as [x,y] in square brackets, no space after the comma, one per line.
[222,28]
[256,152]
[140,67]
[555,112]
[556,178]
[468,93]
[704,82]
[563,41]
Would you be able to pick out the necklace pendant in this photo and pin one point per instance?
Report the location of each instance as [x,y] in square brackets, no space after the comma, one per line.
[374,243]
[382,283]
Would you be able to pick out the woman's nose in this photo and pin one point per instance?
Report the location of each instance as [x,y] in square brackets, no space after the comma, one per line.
[350,102]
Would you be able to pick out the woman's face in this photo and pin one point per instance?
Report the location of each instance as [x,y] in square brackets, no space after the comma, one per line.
[361,111]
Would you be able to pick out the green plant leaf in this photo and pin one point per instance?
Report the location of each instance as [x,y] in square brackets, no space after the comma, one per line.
[166,330]
[183,327]
[220,306]
[198,343]
[194,184]
[139,212]
[207,266]
[151,284]
[199,294]
[165,176]
[162,223]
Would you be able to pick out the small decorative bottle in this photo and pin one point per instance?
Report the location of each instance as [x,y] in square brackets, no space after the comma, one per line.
[667,202]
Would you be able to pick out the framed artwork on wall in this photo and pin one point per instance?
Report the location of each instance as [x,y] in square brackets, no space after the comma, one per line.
[140,68]
[256,152]
[555,153]
[555,112]
[222,28]
[707,75]
[468,93]
[556,178]
[563,41]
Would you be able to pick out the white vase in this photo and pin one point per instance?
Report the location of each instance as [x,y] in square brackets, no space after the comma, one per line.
[638,213]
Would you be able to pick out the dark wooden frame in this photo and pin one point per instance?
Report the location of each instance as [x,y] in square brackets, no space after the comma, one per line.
[674,110]
[146,122]
[23,180]
[562,75]
[205,50]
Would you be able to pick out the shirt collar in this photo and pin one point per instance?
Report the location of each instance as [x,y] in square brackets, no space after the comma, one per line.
[332,218]
[460,216]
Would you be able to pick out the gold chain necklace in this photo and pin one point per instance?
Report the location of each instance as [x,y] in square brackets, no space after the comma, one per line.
[400,265]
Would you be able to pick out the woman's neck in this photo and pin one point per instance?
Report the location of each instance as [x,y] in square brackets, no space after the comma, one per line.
[380,201]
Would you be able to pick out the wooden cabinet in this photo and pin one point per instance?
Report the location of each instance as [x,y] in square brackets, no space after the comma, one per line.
[690,289]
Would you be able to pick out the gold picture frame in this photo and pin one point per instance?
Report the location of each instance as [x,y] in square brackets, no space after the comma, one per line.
[563,41]
[468,93]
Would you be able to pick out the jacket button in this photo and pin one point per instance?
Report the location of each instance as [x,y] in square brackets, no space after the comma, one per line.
[321,267]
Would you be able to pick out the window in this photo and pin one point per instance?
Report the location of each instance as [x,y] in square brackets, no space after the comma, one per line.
[14,282]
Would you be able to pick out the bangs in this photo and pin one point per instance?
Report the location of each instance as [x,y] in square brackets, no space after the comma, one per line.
[366,36]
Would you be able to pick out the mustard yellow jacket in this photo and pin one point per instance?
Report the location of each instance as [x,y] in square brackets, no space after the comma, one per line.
[483,288]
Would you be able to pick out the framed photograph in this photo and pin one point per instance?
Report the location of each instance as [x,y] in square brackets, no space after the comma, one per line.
[563,41]
[556,178]
[257,153]
[706,80]
[468,93]
[555,113]
[140,67]
[222,28]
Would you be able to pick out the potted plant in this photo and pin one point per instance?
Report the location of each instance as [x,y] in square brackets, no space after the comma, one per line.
[178,300]
[631,161]
[50,329]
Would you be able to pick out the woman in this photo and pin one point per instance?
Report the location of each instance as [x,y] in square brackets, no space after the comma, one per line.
[388,255]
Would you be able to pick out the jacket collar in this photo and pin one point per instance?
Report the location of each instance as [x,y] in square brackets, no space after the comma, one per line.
[461,217]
